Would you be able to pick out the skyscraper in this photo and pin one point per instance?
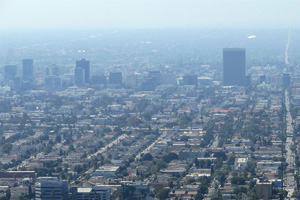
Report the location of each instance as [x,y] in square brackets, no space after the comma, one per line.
[286,80]
[84,64]
[234,64]
[79,76]
[27,70]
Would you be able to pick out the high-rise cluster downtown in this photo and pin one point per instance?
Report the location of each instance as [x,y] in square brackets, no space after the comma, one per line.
[234,74]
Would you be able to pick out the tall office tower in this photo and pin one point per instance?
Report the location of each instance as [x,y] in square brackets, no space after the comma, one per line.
[10,72]
[190,80]
[27,70]
[84,64]
[115,78]
[234,64]
[286,80]
[91,193]
[79,76]
[51,188]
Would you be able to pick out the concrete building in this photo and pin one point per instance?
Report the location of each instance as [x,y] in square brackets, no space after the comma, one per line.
[91,193]
[268,165]
[49,188]
[141,189]
[240,163]
[263,189]
[106,171]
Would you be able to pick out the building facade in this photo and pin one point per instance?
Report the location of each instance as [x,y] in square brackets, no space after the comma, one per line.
[51,189]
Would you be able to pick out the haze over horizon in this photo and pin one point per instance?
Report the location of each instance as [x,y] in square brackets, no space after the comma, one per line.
[135,14]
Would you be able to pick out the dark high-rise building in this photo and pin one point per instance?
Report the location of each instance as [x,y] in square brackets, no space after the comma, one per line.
[27,70]
[10,72]
[234,64]
[286,80]
[115,78]
[79,76]
[84,64]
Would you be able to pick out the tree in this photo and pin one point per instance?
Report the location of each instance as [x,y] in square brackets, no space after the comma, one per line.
[238,180]
[7,147]
[220,154]
[133,121]
[162,194]
[169,157]
[147,156]
[141,105]
[147,116]
[220,176]
[217,195]
[71,147]
[239,190]
[8,194]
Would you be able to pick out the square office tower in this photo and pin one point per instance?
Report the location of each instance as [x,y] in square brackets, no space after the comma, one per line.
[234,64]
[85,65]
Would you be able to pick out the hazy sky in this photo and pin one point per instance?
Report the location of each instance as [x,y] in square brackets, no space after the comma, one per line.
[149,14]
